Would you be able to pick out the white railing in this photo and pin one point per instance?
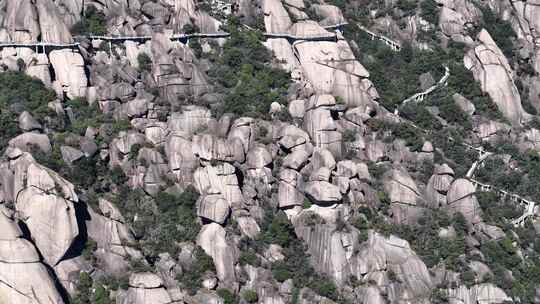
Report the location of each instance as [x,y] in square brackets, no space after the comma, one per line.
[394,45]
[422,95]
[529,205]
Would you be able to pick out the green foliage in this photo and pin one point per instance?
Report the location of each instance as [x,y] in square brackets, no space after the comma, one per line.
[248,258]
[250,296]
[20,92]
[190,28]
[349,135]
[452,113]
[407,6]
[394,74]
[307,203]
[159,224]
[500,30]
[144,61]
[191,277]
[459,158]
[84,115]
[92,22]
[425,241]
[227,296]
[461,80]
[244,73]
[467,278]
[89,249]
[496,211]
[279,231]
[90,292]
[117,176]
[430,11]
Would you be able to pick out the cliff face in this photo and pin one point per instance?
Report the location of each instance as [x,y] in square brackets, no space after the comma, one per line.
[268,156]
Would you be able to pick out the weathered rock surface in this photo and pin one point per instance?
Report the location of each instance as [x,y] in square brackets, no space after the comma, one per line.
[24,278]
[490,67]
[212,239]
[146,288]
[461,198]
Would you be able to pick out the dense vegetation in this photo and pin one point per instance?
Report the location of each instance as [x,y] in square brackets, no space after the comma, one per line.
[18,93]
[93,22]
[245,74]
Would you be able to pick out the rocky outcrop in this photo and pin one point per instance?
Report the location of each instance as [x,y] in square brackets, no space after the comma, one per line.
[320,125]
[69,70]
[46,204]
[27,141]
[404,197]
[490,67]
[460,198]
[455,18]
[438,186]
[482,293]
[24,279]
[145,288]
[213,241]
[331,68]
[110,232]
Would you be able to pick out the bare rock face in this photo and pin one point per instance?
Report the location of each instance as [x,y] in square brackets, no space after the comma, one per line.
[48,213]
[146,288]
[289,191]
[460,198]
[331,15]
[213,207]
[319,124]
[190,120]
[283,52]
[110,232]
[323,192]
[220,179]
[276,18]
[209,147]
[21,21]
[490,67]
[53,28]
[24,278]
[340,75]
[464,104]
[381,253]
[27,122]
[404,197]
[438,186]
[212,239]
[455,16]
[182,160]
[69,69]
[26,140]
[482,293]
[39,68]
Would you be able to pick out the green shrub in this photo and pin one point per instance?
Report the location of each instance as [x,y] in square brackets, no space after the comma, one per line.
[144,61]
[27,92]
[248,258]
[250,296]
[324,287]
[244,72]
[349,135]
[191,277]
[407,6]
[430,11]
[93,22]
[227,296]
[467,278]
